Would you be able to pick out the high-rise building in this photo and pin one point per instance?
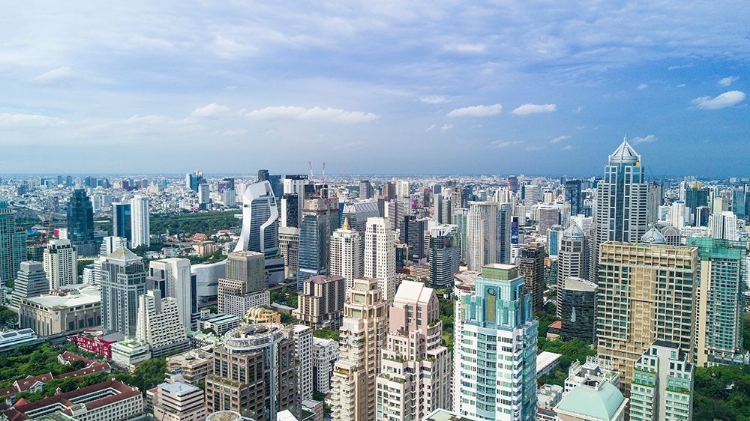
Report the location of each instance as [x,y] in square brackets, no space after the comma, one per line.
[621,201]
[415,368]
[554,239]
[123,280]
[365,190]
[325,354]
[204,194]
[723,226]
[495,367]
[260,228]
[193,180]
[444,255]
[12,243]
[577,307]
[320,218]
[174,274]
[662,388]
[481,234]
[739,201]
[289,248]
[357,214]
[140,221]
[380,256]
[321,303]
[412,235]
[459,218]
[303,350]
[531,267]
[243,284]
[81,223]
[159,324]
[347,253]
[572,258]
[60,263]
[696,197]
[254,373]
[573,196]
[31,281]
[362,334]
[110,244]
[549,216]
[720,301]
[121,222]
[646,293]
[654,200]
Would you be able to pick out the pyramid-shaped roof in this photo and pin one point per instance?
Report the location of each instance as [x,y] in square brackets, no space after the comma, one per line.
[123,253]
[653,236]
[573,231]
[624,154]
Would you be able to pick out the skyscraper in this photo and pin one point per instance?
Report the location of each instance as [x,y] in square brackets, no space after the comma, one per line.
[444,255]
[380,256]
[621,201]
[646,293]
[159,324]
[192,180]
[577,308]
[121,221]
[415,367]
[320,218]
[31,281]
[123,278]
[723,226]
[365,189]
[573,196]
[346,254]
[662,388]
[573,257]
[303,348]
[495,368]
[60,263]
[481,234]
[242,286]
[321,303]
[140,221]
[362,335]
[81,223]
[175,272]
[260,228]
[531,268]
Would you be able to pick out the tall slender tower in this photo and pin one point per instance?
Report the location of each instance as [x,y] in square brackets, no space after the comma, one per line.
[122,221]
[260,228]
[81,223]
[531,267]
[481,234]
[60,263]
[621,201]
[140,221]
[362,335]
[123,281]
[175,272]
[380,256]
[346,254]
[572,258]
[12,243]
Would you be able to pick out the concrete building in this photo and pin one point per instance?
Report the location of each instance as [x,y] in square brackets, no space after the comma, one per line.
[481,234]
[159,324]
[289,248]
[380,256]
[415,367]
[178,401]
[254,373]
[31,281]
[139,216]
[205,277]
[320,218]
[496,325]
[362,335]
[174,273]
[646,293]
[260,228]
[245,277]
[60,263]
[594,369]
[596,400]
[194,365]
[577,308]
[321,304]
[123,280]
[128,353]
[572,259]
[66,310]
[531,267]
[662,388]
[347,253]
[444,255]
[303,350]
[325,354]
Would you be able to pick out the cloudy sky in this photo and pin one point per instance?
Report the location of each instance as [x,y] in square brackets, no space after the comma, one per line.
[433,87]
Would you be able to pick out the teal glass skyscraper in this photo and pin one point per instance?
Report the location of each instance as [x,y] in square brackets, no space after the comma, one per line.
[12,243]
[81,223]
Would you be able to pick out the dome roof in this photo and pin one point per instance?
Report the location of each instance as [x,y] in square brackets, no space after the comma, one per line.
[594,403]
[624,154]
[573,231]
[653,236]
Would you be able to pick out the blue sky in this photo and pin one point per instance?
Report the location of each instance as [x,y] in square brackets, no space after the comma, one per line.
[439,87]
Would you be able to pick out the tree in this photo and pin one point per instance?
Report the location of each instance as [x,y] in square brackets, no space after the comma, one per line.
[327,334]
[8,318]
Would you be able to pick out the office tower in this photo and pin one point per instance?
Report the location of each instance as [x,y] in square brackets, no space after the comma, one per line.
[121,222]
[262,176]
[577,308]
[677,214]
[415,368]
[110,244]
[321,303]
[549,216]
[346,254]
[380,256]
[365,190]
[654,200]
[325,354]
[513,183]
[573,257]
[31,281]
[159,324]
[573,196]
[291,209]
[204,194]
[662,388]
[362,335]
[504,221]
[459,218]
[192,181]
[357,214]
[720,301]
[140,221]
[554,238]
[402,189]
[174,274]
[499,337]
[123,280]
[254,373]
[723,226]
[437,209]
[320,218]
[621,201]
[388,191]
[532,194]
[531,268]
[260,229]
[444,255]
[646,293]
[60,263]
[81,223]
[413,236]
[696,197]
[289,248]
[303,344]
[739,201]
[243,283]
[481,234]
[179,401]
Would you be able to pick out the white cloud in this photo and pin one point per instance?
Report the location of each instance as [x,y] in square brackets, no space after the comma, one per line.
[534,148]
[466,48]
[645,139]
[434,99]
[500,144]
[642,86]
[54,76]
[477,111]
[727,99]
[312,114]
[212,110]
[726,81]
[559,139]
[431,128]
[527,109]
[146,119]
[234,132]
[446,127]
[567,148]
[8,119]
[681,85]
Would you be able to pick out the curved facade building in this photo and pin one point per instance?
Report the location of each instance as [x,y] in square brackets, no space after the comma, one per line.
[260,220]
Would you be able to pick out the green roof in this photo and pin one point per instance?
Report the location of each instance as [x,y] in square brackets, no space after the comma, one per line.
[594,403]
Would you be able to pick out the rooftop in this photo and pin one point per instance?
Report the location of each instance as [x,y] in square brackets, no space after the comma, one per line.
[178,388]
[85,295]
[624,154]
[601,402]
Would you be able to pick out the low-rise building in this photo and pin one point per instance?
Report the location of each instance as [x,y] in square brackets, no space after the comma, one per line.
[96,341]
[10,339]
[546,362]
[548,395]
[178,401]
[219,323]
[194,365]
[63,310]
[129,353]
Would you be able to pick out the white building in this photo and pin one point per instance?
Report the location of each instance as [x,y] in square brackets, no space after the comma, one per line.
[110,244]
[325,354]
[129,353]
[139,221]
[179,401]
[380,256]
[346,254]
[303,348]
[60,263]
[175,272]
[481,234]
[723,226]
[159,324]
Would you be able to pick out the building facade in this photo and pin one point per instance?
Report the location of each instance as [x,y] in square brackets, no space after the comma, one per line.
[380,256]
[60,263]
[662,388]
[159,324]
[123,280]
[12,243]
[321,304]
[445,255]
[347,253]
[139,221]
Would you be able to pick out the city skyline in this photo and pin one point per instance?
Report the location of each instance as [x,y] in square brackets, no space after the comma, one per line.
[519,88]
